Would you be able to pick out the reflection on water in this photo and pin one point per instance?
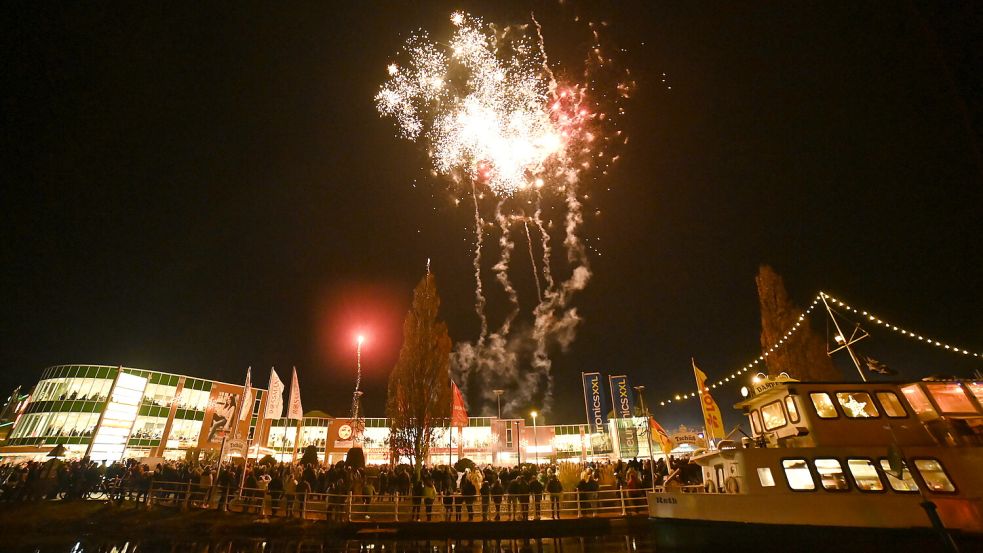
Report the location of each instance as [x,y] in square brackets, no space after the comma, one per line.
[612,544]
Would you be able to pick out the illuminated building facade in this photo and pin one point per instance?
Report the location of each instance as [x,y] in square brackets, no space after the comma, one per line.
[110,413]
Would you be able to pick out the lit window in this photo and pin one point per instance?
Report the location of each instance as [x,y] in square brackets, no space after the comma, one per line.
[891,405]
[798,475]
[934,476]
[918,401]
[824,406]
[773,415]
[765,477]
[865,475]
[756,421]
[950,397]
[831,475]
[793,411]
[857,405]
[903,484]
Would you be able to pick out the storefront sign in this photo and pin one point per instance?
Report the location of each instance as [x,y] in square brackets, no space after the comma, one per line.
[594,402]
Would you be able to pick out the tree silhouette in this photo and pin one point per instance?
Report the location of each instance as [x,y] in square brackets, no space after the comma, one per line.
[419,395]
[803,356]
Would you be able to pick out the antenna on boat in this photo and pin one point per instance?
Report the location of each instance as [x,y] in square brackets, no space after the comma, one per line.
[844,342]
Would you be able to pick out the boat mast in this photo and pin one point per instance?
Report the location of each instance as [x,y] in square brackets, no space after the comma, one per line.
[846,341]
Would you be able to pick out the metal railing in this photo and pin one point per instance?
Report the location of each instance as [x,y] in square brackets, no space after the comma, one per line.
[616,502]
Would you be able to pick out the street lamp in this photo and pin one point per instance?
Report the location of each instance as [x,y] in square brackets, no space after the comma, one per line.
[648,431]
[498,396]
[535,437]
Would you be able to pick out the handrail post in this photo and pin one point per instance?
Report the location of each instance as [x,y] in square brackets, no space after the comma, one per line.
[350,502]
[187,497]
[577,495]
[396,507]
[303,506]
[149,498]
[621,492]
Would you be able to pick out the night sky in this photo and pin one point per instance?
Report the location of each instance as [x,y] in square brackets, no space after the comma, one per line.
[201,189]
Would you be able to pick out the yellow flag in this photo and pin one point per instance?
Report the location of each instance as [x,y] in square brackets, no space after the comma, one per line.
[712,418]
[664,440]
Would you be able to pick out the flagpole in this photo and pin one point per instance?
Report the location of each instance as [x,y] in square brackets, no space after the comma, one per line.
[846,343]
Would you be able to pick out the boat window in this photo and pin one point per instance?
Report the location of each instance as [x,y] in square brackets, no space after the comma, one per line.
[765,477]
[793,411]
[756,421]
[918,400]
[891,405]
[824,405]
[798,475]
[857,405]
[831,475]
[903,484]
[950,397]
[773,415]
[934,476]
[977,389]
[865,476]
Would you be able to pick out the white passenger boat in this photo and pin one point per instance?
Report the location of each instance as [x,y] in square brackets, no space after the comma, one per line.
[858,456]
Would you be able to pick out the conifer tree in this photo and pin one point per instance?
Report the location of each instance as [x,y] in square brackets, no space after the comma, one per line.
[803,356]
[419,395]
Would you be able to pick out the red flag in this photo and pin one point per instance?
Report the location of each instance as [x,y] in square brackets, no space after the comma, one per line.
[459,415]
[661,435]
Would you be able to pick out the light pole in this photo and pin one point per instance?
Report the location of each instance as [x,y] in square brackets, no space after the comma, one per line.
[648,431]
[498,396]
[535,437]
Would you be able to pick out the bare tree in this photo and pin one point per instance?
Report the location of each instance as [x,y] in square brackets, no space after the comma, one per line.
[803,356]
[419,396]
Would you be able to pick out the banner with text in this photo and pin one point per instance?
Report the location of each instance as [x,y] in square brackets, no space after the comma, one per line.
[595,403]
[624,411]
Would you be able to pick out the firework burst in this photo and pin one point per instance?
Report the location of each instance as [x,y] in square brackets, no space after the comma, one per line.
[493,115]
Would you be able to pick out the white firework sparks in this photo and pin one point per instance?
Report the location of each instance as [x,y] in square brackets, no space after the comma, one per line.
[487,106]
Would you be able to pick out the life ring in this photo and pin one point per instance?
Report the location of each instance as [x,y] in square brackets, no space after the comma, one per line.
[732,485]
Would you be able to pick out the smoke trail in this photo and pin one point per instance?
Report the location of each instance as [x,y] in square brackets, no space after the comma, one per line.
[502,268]
[479,301]
[547,272]
[532,259]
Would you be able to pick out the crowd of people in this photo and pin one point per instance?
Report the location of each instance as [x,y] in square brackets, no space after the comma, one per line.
[462,492]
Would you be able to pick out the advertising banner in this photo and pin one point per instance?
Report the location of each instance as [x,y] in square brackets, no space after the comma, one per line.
[595,403]
[224,411]
[624,410]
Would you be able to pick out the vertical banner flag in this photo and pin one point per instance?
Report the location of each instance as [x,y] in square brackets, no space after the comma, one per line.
[664,440]
[711,413]
[624,402]
[624,410]
[274,401]
[246,410]
[459,415]
[594,402]
[295,411]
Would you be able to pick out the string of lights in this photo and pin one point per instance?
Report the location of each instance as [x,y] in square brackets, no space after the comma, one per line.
[677,398]
[870,317]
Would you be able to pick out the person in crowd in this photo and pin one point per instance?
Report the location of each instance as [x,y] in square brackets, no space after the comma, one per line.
[468,493]
[497,491]
[429,495]
[555,489]
[536,490]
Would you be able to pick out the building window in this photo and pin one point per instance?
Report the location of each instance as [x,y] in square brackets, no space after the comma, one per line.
[891,405]
[934,476]
[903,484]
[508,436]
[831,475]
[865,475]
[857,405]
[951,397]
[798,475]
[824,406]
[765,477]
[773,415]
[793,411]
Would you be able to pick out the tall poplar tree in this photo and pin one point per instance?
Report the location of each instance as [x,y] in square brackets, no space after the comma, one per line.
[419,395]
[803,356]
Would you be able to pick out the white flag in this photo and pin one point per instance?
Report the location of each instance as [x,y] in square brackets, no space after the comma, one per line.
[246,411]
[295,411]
[274,401]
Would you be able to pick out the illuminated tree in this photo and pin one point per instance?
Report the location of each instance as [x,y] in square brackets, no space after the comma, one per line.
[803,356]
[419,395]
